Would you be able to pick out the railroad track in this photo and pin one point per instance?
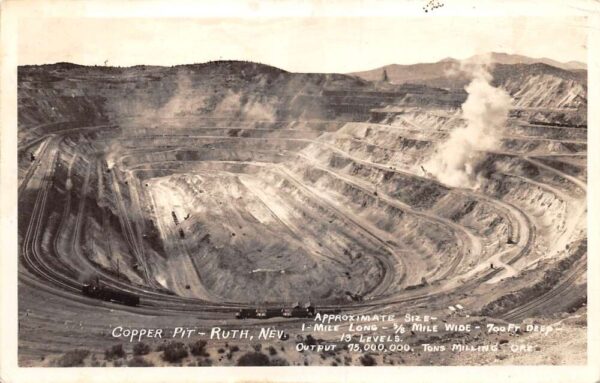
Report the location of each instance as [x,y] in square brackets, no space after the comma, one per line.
[534,305]
[170,304]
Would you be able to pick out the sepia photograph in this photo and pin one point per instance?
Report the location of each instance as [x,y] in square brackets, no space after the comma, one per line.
[397,190]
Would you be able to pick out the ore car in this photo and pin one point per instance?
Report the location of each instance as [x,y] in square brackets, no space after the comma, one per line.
[246,313]
[296,311]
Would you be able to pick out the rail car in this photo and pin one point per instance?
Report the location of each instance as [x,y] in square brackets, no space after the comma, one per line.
[296,311]
[246,313]
[259,313]
[96,290]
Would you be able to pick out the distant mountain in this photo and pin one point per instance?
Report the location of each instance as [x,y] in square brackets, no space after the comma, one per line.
[531,82]
[448,68]
[415,73]
[505,58]
[576,65]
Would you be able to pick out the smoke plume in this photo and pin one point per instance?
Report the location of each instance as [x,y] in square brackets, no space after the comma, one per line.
[485,112]
[112,153]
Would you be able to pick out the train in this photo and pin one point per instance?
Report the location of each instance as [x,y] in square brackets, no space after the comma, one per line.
[95,289]
[296,311]
[265,313]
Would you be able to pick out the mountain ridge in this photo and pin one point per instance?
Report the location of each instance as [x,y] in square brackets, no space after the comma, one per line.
[450,67]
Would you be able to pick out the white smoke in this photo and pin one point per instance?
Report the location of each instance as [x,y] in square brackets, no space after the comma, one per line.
[112,153]
[485,112]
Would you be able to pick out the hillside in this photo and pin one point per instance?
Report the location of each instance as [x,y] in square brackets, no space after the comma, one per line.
[230,90]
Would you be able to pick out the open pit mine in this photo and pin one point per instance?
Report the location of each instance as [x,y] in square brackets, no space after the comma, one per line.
[235,195]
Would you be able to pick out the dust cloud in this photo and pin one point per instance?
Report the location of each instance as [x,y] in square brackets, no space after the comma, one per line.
[485,112]
[188,97]
[240,105]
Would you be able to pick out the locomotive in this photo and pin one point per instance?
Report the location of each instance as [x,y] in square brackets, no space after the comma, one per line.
[96,290]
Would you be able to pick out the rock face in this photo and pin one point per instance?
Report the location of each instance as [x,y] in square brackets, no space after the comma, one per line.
[208,188]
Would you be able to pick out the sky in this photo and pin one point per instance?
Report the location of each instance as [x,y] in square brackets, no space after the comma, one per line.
[324,44]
